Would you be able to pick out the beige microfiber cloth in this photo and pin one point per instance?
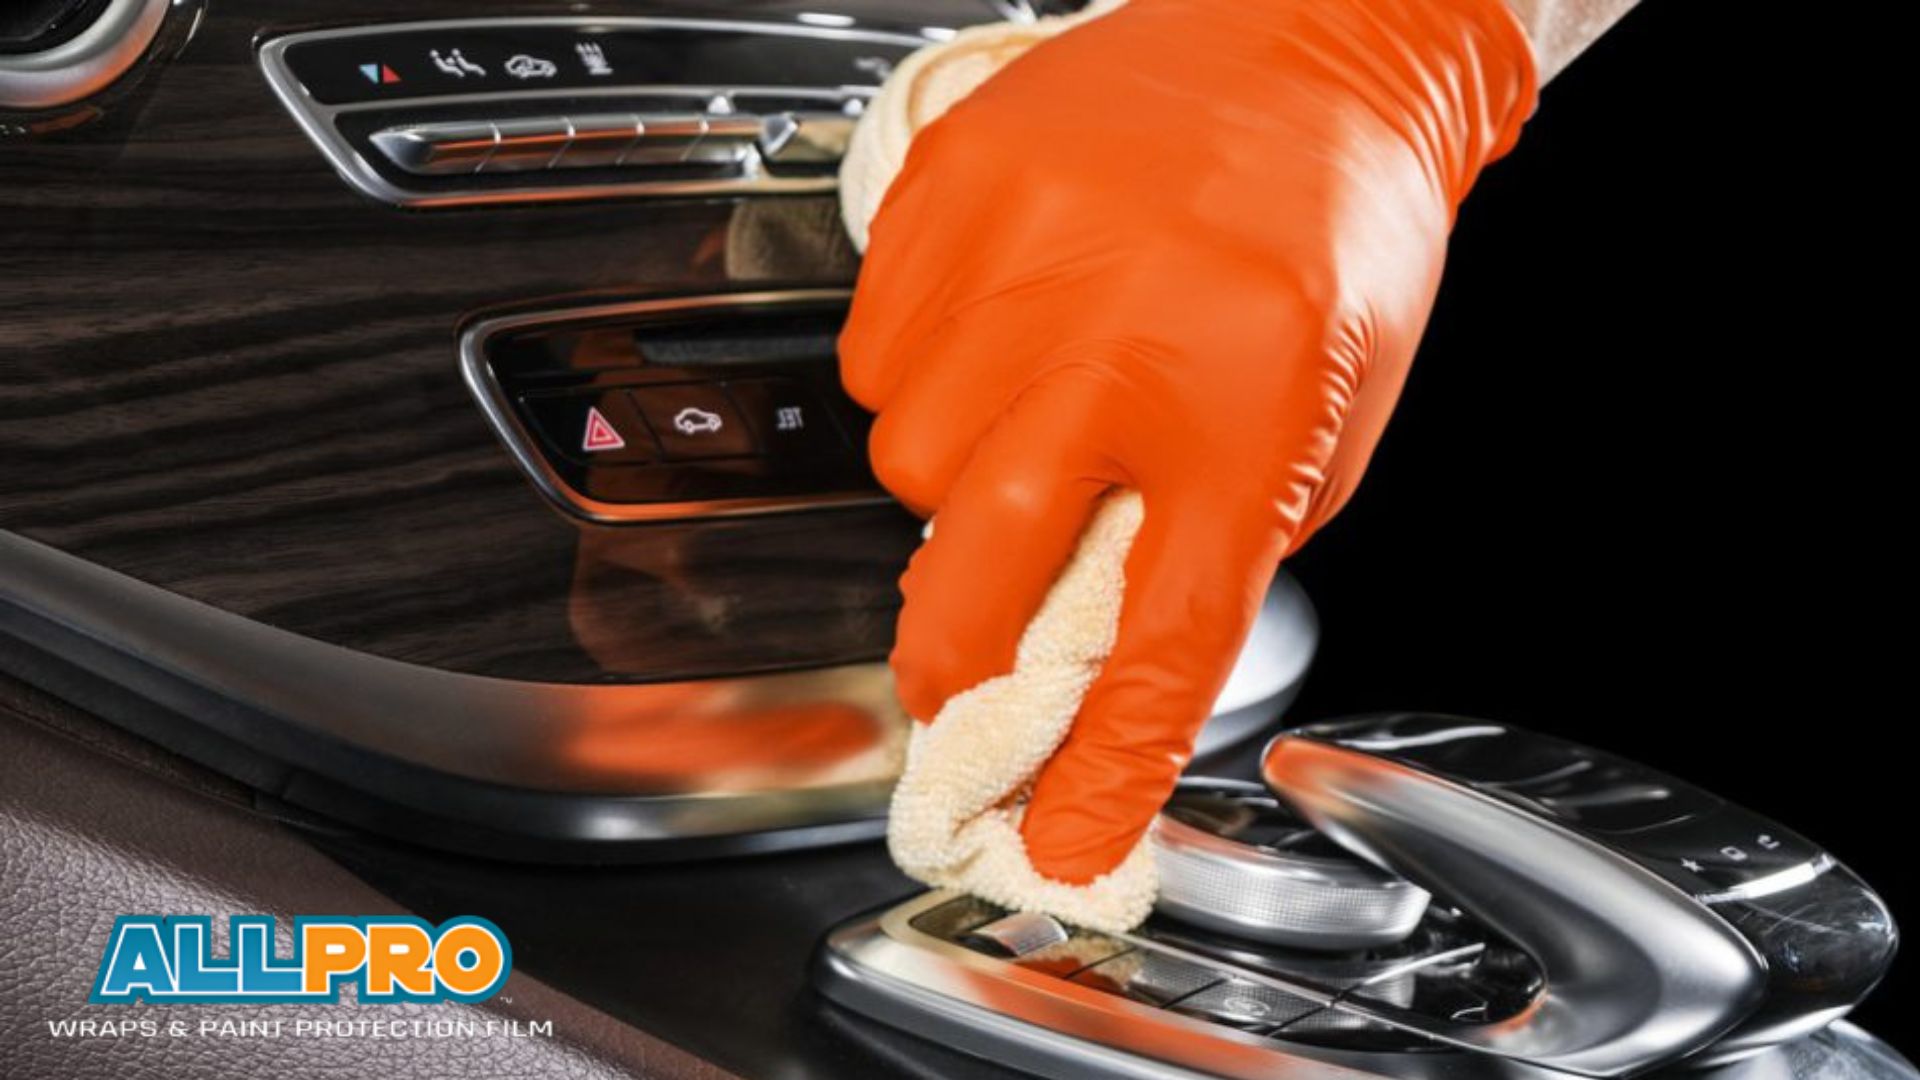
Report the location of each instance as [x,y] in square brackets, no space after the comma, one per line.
[925,85]
[956,813]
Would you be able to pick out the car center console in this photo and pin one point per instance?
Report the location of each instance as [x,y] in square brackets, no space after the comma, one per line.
[1407,894]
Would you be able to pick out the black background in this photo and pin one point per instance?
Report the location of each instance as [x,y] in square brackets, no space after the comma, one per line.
[1642,488]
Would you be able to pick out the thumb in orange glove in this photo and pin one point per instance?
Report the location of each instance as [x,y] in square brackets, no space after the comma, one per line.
[1186,248]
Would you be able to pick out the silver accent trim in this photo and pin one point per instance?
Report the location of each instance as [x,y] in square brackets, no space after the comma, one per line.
[521,144]
[1637,972]
[815,138]
[416,147]
[1019,11]
[520,442]
[1283,898]
[1419,963]
[880,965]
[1022,932]
[1436,738]
[602,139]
[1779,881]
[84,64]
[319,119]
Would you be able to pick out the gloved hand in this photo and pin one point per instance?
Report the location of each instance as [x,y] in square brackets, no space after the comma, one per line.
[1186,248]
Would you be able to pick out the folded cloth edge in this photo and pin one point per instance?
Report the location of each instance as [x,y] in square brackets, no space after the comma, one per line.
[955,818]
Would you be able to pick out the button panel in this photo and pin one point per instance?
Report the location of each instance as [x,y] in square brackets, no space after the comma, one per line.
[1726,850]
[1148,1009]
[1151,976]
[1218,985]
[555,108]
[518,55]
[1249,1006]
[600,140]
[734,405]
[665,139]
[528,144]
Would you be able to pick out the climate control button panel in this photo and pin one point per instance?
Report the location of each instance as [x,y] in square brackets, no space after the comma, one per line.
[501,110]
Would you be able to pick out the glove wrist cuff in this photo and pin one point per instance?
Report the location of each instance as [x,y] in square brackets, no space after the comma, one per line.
[1456,79]
[1501,89]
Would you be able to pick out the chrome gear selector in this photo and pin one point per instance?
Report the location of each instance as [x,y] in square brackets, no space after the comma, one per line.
[1415,896]
[1664,918]
[1234,859]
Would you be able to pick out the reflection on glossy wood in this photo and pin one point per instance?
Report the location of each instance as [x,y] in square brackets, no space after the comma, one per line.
[222,372]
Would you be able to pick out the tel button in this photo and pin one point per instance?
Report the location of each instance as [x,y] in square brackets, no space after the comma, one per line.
[787,416]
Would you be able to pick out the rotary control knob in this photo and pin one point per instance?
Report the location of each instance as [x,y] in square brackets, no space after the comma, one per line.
[1234,860]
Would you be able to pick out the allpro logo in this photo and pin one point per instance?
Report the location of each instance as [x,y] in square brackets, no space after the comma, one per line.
[169,958]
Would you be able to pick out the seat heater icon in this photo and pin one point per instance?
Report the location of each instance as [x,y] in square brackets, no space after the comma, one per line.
[593,58]
[692,421]
[454,64]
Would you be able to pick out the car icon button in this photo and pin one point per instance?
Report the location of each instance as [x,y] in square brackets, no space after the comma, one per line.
[694,421]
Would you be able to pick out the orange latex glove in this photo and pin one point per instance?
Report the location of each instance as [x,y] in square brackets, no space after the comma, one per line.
[1187,248]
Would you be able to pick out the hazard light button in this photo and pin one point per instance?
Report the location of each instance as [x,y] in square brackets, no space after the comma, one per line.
[590,429]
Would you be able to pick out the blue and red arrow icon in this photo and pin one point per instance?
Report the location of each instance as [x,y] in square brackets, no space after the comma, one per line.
[379,74]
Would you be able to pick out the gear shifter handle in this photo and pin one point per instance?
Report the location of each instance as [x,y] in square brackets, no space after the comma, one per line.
[1667,921]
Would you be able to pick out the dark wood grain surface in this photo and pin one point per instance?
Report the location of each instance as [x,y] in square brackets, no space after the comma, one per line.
[224,373]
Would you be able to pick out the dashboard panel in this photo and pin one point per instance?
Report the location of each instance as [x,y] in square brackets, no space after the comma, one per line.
[225,372]
[297,477]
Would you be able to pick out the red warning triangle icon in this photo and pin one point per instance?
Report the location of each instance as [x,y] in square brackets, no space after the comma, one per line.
[600,434]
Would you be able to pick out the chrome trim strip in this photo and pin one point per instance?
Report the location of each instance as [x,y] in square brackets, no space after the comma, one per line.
[318,119]
[478,375]
[1431,738]
[1020,11]
[1418,963]
[676,90]
[1779,881]
[84,64]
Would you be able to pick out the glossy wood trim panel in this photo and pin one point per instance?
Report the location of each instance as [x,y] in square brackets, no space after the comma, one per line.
[224,373]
